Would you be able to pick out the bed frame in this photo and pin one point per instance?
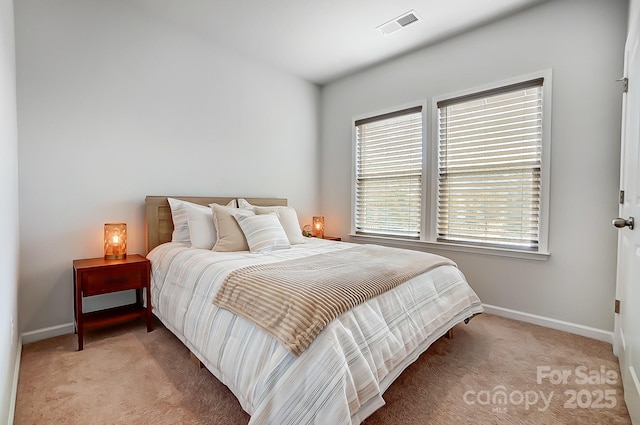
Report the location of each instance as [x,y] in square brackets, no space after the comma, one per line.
[159,225]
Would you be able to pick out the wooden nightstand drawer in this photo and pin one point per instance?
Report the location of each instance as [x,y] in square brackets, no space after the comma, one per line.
[112,279]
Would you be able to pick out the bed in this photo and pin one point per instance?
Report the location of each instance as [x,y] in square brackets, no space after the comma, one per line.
[340,377]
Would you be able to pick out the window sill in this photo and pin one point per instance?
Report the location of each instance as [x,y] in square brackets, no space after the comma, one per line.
[413,244]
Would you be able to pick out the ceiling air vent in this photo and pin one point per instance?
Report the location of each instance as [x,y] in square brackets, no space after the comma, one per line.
[399,22]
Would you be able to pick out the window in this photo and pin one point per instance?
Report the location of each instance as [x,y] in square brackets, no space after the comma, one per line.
[389,168]
[478,182]
[489,167]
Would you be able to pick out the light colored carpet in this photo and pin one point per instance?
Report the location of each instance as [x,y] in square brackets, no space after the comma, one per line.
[126,375]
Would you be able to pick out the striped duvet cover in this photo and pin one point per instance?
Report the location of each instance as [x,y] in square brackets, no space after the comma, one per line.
[341,377]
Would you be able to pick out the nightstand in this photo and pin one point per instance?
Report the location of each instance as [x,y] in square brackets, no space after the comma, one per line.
[333,238]
[96,276]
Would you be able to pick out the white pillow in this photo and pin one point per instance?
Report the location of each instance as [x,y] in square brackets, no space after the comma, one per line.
[180,220]
[264,233]
[244,204]
[229,233]
[288,219]
[201,229]
[193,223]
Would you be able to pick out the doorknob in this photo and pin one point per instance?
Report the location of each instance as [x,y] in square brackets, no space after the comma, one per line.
[621,222]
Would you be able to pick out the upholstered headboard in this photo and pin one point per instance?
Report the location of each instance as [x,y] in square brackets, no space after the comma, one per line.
[159,225]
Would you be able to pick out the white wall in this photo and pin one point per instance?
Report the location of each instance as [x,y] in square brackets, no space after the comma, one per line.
[8,213]
[115,104]
[634,6]
[582,42]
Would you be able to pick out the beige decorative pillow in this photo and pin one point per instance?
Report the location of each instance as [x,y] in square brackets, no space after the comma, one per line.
[289,220]
[230,237]
[264,233]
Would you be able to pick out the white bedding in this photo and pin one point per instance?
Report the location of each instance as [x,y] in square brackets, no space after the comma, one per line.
[341,377]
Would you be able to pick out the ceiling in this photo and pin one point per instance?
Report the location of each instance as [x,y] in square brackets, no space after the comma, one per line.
[322,40]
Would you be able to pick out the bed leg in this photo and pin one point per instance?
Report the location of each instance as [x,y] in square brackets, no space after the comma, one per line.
[449,334]
[468,319]
[196,360]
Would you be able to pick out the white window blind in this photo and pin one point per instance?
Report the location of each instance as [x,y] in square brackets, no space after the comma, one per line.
[388,192]
[489,167]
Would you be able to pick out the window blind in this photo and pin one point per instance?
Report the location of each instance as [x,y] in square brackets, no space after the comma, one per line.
[489,165]
[388,186]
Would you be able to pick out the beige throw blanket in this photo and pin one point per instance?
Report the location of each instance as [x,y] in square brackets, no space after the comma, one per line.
[294,300]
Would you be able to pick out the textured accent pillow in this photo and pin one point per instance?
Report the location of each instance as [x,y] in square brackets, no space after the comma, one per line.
[229,234]
[264,233]
[289,220]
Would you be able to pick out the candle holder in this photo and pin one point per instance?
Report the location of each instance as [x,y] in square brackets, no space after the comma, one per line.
[115,241]
[317,228]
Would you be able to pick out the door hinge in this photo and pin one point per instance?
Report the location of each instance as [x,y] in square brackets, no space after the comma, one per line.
[617,307]
[622,196]
[625,84]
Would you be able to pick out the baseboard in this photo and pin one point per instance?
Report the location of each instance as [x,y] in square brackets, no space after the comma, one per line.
[14,388]
[50,332]
[547,322]
[619,343]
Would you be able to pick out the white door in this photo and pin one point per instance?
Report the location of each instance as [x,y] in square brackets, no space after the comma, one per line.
[627,323]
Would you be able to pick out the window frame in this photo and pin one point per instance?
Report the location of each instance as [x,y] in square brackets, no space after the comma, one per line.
[543,242]
[354,177]
[428,234]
